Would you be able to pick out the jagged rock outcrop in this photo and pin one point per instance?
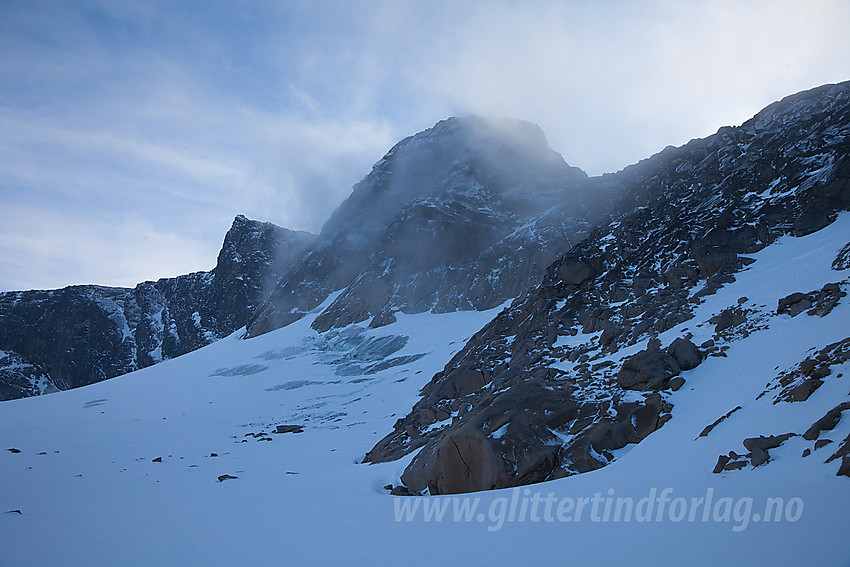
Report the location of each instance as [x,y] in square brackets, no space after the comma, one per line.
[462,216]
[680,228]
[79,335]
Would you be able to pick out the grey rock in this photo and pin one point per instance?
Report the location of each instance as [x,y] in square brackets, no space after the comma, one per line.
[765,443]
[827,422]
[844,469]
[794,304]
[842,259]
[685,353]
[721,463]
[759,456]
[647,370]
[728,318]
[75,336]
[812,220]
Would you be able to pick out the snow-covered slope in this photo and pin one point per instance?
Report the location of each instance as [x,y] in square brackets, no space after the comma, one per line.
[117,473]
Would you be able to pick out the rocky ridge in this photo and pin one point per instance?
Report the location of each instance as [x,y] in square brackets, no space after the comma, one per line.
[71,337]
[548,389]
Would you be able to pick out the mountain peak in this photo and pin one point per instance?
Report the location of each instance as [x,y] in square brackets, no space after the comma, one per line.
[425,217]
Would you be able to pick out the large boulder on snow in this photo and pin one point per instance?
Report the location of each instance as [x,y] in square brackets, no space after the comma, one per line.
[649,369]
[685,353]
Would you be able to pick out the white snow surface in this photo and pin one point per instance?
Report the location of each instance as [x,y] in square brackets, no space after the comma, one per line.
[96,498]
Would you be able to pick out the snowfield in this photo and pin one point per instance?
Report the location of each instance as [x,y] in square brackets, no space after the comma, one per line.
[127,471]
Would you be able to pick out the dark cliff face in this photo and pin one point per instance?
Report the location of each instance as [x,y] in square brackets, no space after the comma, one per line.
[456,217]
[79,335]
[535,395]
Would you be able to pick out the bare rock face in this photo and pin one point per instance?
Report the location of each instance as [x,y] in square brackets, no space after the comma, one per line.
[812,220]
[79,335]
[21,379]
[512,408]
[462,216]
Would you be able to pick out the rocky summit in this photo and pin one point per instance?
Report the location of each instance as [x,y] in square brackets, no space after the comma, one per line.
[462,216]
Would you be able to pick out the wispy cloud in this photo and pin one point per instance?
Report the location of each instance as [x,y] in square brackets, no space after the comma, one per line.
[167,119]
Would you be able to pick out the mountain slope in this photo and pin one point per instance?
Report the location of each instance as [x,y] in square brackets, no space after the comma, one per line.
[127,475]
[554,386]
[461,216]
[79,335]
[677,376]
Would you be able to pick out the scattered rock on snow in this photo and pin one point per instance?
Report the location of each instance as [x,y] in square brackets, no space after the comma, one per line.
[827,422]
[728,318]
[719,420]
[842,260]
[759,446]
[844,469]
[820,302]
[289,429]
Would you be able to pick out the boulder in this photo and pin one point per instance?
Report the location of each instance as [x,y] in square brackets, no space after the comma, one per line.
[759,456]
[826,423]
[765,443]
[685,353]
[721,463]
[794,304]
[649,369]
[461,383]
[759,446]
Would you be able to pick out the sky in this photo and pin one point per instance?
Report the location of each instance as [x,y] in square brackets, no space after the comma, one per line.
[132,132]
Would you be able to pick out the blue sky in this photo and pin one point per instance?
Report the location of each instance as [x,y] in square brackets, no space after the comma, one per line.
[131,133]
